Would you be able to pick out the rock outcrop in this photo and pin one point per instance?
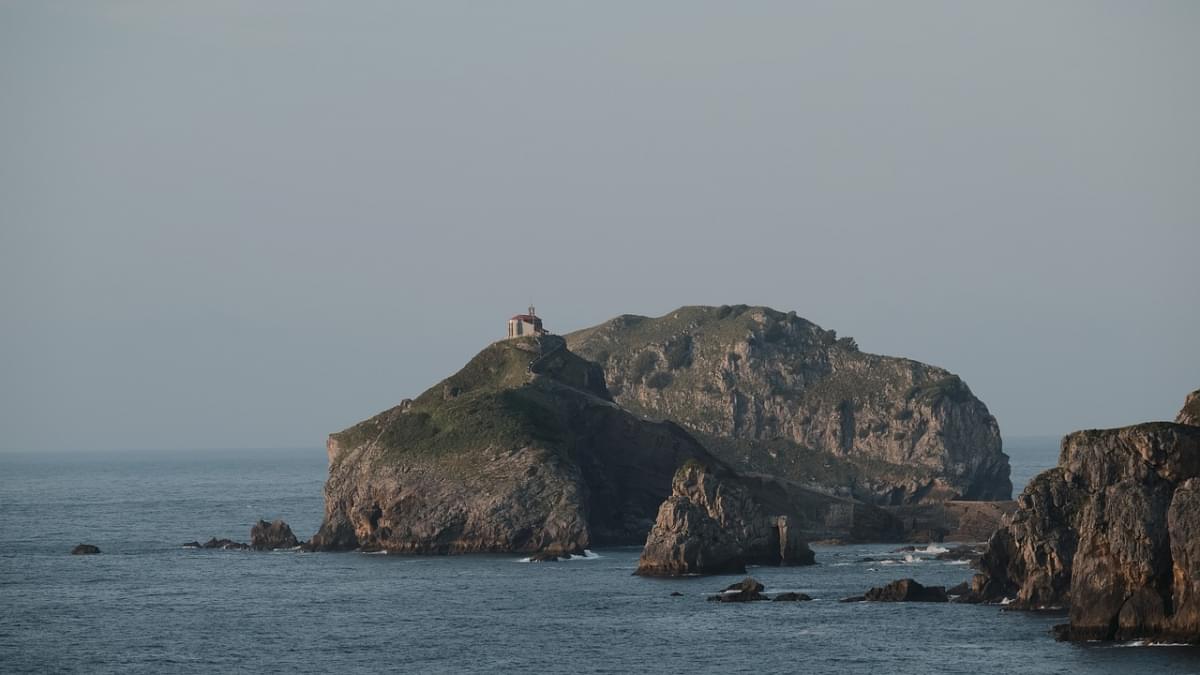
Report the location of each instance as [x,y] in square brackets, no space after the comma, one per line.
[222,544]
[1190,414]
[714,522]
[523,450]
[1113,533]
[906,590]
[266,536]
[746,590]
[773,393]
[85,549]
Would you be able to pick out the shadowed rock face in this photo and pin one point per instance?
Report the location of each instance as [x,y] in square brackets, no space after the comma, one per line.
[522,450]
[1113,532]
[715,523]
[772,393]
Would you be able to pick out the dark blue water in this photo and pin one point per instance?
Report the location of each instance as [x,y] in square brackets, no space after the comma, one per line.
[1028,456]
[147,605]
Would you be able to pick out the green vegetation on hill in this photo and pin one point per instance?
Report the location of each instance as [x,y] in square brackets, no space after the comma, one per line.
[495,401]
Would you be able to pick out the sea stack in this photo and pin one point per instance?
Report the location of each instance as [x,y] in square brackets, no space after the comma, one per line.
[713,524]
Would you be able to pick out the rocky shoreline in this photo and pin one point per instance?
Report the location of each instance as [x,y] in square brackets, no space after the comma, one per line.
[1112,535]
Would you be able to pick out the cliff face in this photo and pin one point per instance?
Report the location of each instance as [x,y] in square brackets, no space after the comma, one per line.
[1113,532]
[716,523]
[522,450]
[774,393]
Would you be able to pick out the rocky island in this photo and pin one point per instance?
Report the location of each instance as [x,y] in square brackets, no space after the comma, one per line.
[772,393]
[527,449]
[1112,533]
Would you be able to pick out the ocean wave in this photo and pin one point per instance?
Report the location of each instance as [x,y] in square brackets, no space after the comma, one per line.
[1149,643]
[587,555]
[932,549]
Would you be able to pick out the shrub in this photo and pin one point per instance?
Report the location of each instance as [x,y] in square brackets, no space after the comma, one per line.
[679,352]
[659,380]
[644,364]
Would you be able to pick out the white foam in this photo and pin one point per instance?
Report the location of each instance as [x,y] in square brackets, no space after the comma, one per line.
[958,562]
[587,555]
[1149,643]
[933,549]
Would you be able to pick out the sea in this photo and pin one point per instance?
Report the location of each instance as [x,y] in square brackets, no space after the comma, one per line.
[148,605]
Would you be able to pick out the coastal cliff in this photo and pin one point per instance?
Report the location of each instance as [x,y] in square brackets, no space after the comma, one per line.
[523,450]
[773,393]
[1113,533]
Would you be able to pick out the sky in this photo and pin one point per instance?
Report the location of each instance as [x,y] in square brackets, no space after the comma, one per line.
[250,224]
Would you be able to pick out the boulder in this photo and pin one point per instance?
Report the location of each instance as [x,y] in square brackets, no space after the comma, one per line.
[85,549]
[746,590]
[906,590]
[266,536]
[792,597]
[544,557]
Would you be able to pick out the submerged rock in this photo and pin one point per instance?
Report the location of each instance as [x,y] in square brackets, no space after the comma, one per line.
[791,597]
[85,549]
[266,536]
[1113,533]
[773,393]
[225,544]
[906,590]
[968,553]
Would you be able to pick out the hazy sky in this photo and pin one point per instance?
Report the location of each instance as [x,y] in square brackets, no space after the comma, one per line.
[251,224]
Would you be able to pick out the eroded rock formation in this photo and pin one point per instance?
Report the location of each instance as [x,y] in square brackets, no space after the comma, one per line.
[266,536]
[1113,533]
[773,393]
[715,523]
